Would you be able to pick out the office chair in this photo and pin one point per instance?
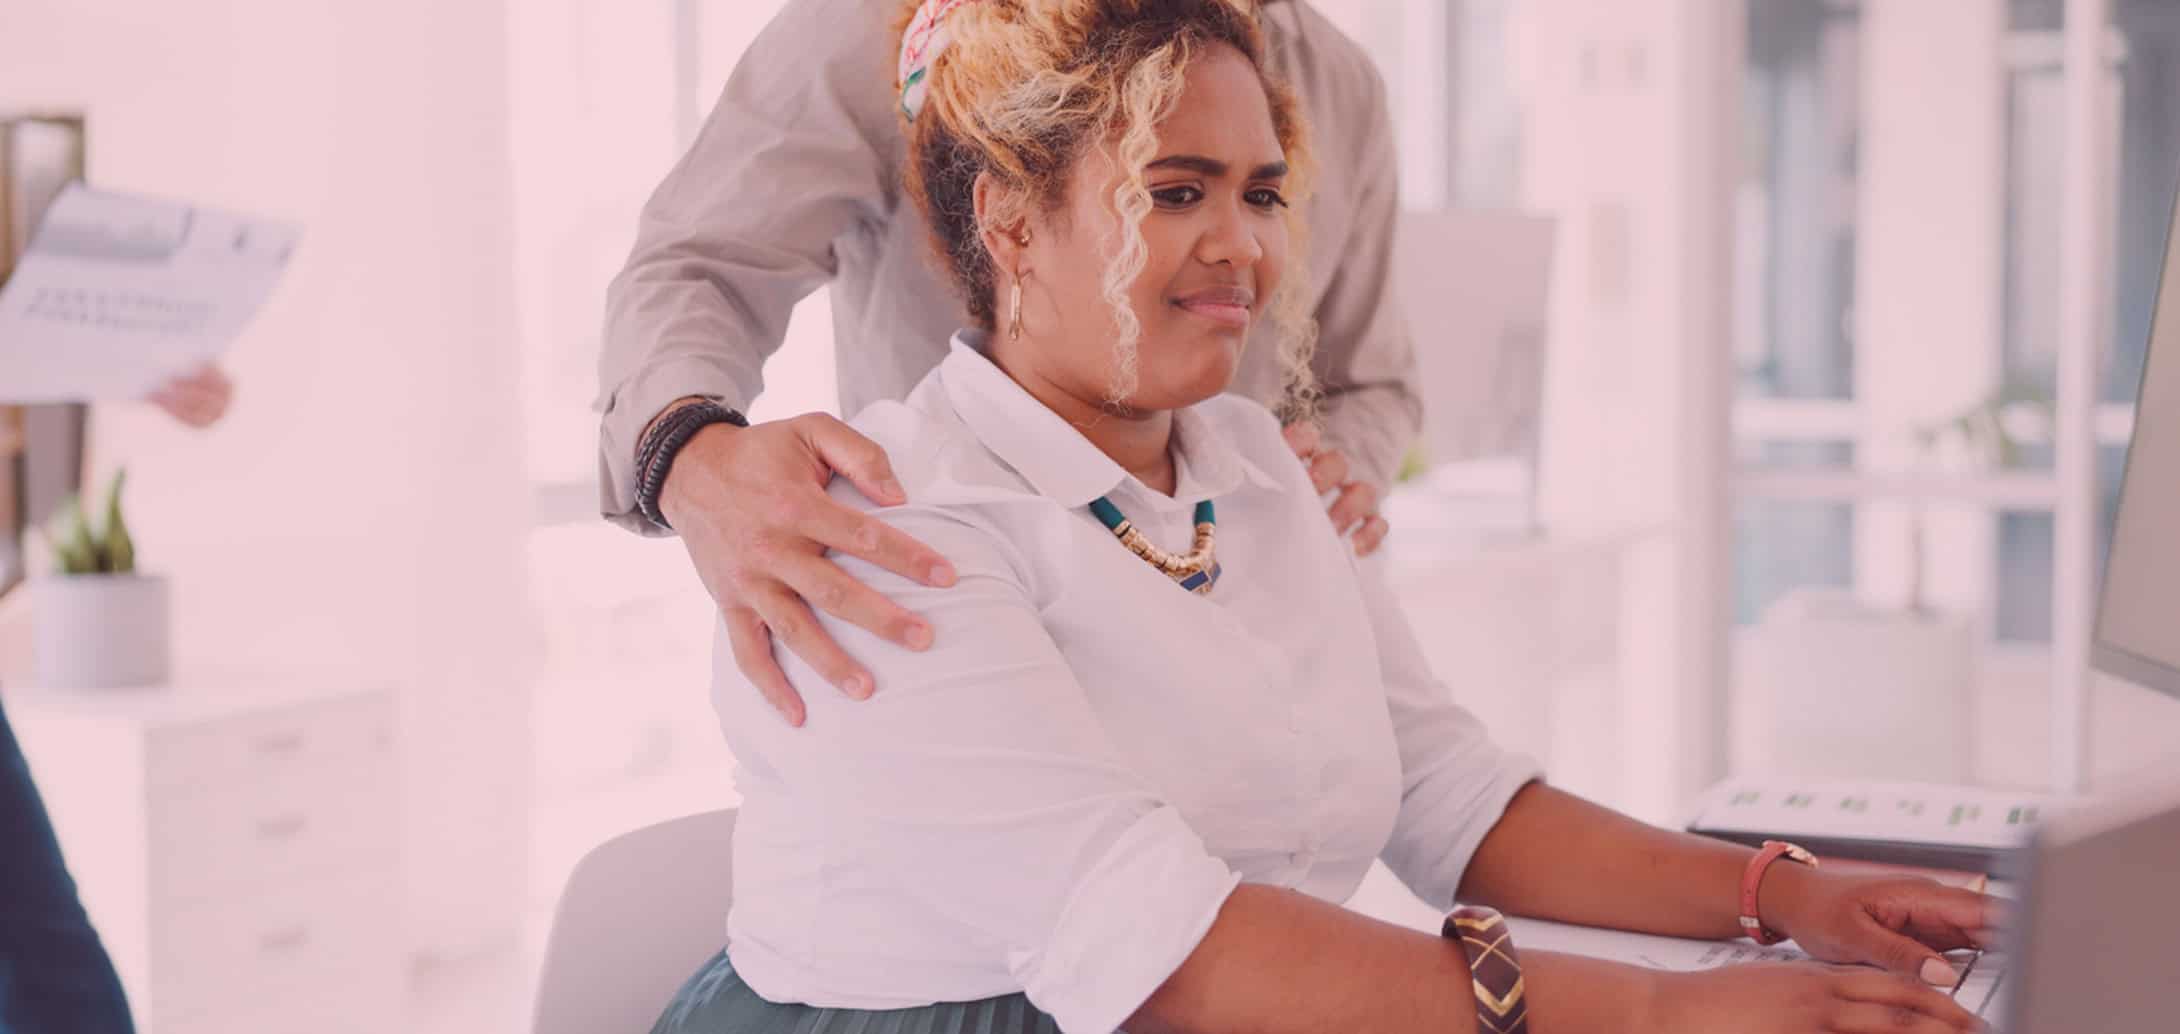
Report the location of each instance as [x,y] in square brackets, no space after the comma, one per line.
[640,913]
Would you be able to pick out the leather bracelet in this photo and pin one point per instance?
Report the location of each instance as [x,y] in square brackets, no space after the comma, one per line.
[1752,879]
[656,455]
[1494,969]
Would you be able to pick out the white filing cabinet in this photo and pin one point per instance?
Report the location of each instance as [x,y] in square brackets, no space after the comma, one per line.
[236,846]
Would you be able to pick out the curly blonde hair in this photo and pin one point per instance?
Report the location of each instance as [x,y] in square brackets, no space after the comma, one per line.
[1028,87]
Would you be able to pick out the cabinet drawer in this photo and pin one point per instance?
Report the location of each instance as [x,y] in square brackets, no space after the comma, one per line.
[267,746]
[298,1017]
[328,941]
[236,840]
[354,1009]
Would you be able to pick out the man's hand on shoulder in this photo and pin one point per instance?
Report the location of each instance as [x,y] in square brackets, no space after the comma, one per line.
[750,506]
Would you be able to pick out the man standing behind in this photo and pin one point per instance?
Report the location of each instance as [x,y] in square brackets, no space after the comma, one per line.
[794,183]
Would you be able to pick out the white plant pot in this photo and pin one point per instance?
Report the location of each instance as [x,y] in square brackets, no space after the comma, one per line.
[100,631]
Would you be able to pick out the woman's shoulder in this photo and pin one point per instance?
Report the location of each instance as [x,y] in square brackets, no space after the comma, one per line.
[1251,429]
[937,457]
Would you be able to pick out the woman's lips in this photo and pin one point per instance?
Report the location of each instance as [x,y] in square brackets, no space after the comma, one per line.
[1225,306]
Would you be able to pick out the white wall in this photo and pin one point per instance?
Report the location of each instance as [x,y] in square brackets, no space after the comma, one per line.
[358,514]
[1630,142]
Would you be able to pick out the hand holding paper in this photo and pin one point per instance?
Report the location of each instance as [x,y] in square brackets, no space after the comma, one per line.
[118,295]
[198,398]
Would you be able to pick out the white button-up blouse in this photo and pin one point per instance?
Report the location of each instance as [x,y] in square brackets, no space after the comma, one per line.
[1059,794]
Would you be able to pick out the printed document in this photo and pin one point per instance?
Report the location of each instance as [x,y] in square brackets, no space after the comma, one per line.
[118,293]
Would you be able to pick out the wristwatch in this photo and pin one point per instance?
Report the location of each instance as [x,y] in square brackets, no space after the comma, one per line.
[656,455]
[1494,969]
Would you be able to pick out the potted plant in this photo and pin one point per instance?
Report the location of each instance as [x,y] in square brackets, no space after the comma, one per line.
[96,622]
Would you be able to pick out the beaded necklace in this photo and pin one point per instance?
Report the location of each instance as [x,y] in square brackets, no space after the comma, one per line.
[1197,570]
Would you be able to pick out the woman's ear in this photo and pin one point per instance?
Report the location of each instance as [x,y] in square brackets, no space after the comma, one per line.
[1000,225]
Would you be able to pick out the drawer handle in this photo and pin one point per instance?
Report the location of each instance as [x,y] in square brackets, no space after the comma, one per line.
[282,827]
[280,745]
[283,941]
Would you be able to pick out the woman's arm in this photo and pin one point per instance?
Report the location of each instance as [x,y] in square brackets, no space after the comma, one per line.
[1464,833]
[1556,856]
[1279,961]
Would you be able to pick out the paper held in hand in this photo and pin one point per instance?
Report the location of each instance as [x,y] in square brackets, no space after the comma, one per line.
[118,293]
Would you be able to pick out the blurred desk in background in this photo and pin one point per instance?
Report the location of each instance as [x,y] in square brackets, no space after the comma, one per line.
[236,844]
[1524,626]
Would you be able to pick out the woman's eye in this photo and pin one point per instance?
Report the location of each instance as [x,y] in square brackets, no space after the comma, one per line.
[1177,197]
[1265,197]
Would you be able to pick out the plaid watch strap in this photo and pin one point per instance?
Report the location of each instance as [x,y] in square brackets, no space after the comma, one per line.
[1494,968]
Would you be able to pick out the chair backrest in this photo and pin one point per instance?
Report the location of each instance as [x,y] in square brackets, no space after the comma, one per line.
[640,913]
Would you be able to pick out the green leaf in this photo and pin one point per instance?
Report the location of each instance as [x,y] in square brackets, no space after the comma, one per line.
[75,551]
[120,548]
[1414,464]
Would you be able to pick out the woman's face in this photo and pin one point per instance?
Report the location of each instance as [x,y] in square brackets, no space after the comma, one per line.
[1216,238]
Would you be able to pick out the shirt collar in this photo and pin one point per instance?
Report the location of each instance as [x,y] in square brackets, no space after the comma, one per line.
[1057,460]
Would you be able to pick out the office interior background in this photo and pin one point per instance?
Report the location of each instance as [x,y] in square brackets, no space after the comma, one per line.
[1817,267]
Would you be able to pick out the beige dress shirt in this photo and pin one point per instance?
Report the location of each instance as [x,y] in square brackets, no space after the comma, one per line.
[794,184]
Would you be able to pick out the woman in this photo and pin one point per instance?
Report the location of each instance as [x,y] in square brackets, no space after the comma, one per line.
[1128,786]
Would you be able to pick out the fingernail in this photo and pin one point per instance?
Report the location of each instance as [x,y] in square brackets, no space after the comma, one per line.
[892,489]
[1938,973]
[919,637]
[857,686]
[942,574]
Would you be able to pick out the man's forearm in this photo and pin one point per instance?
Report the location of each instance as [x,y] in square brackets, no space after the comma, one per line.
[1556,856]
[1374,425]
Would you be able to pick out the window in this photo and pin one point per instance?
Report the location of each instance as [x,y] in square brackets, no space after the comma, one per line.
[1798,200]
[1796,248]
[2144,55]
[1803,243]
[1785,544]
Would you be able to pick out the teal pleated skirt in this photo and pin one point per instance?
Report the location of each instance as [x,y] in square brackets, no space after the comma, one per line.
[716,1001]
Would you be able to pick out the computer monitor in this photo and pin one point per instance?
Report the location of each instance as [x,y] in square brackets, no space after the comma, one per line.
[2138,615]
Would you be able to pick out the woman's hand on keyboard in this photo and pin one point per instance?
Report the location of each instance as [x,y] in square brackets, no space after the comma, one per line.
[1901,923]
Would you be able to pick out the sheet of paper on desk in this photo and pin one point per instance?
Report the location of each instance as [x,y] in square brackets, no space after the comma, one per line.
[1679,955]
[117,293]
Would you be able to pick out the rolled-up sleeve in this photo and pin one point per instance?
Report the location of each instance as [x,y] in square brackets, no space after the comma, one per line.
[791,158]
[1373,408]
[1455,782]
[980,784]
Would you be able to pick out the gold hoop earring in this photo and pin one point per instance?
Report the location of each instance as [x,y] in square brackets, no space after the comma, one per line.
[1014,320]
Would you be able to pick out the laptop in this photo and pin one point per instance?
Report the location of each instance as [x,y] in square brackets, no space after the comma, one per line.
[2095,942]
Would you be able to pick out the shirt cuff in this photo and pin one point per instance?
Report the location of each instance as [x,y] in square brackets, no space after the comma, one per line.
[1510,773]
[630,407]
[1127,926]
[1374,451]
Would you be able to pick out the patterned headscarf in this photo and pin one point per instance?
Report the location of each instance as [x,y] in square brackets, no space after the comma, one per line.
[921,44]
